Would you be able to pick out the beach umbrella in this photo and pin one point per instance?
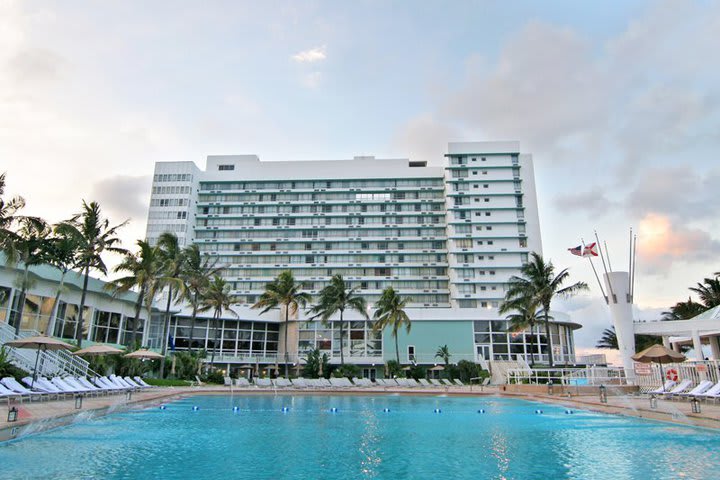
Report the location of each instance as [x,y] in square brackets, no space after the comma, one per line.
[659,354]
[97,350]
[143,354]
[42,343]
[438,368]
[407,369]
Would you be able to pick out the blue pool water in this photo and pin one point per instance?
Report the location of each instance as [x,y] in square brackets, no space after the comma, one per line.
[363,441]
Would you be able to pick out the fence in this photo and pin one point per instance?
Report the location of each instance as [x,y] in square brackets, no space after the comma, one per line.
[649,376]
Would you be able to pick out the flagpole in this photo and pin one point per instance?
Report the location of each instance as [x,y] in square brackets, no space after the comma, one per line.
[602,257]
[607,252]
[630,258]
[632,292]
[595,272]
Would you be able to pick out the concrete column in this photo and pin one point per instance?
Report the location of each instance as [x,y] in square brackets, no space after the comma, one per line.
[697,346]
[676,347]
[620,305]
[666,341]
[715,347]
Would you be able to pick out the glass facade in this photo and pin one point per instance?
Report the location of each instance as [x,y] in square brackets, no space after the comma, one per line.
[493,341]
[360,340]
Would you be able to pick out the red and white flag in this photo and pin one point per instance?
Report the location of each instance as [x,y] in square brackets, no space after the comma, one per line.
[590,250]
[576,251]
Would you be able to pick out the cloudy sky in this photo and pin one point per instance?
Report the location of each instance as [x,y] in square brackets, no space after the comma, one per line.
[618,101]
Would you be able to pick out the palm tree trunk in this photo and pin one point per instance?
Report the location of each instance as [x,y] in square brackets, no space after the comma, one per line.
[55,307]
[217,330]
[532,345]
[287,325]
[79,333]
[397,348]
[342,355]
[21,303]
[192,321]
[166,330]
[549,336]
[138,307]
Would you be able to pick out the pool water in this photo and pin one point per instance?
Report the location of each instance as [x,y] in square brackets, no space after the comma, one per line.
[361,440]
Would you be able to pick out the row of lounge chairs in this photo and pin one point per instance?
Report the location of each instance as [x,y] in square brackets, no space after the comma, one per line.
[705,390]
[43,388]
[343,382]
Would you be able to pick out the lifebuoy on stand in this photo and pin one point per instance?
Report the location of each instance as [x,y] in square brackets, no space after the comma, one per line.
[671,374]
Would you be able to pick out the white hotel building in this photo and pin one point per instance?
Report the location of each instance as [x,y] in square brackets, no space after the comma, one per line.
[448,237]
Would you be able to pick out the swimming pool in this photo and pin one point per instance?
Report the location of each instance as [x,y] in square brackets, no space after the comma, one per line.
[381,437]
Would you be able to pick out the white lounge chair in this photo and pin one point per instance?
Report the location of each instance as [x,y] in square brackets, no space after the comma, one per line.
[700,388]
[75,383]
[458,382]
[7,393]
[133,383]
[448,382]
[411,382]
[140,381]
[436,382]
[263,382]
[227,381]
[664,388]
[713,393]
[680,387]
[13,385]
[62,385]
[43,385]
[120,382]
[282,382]
[299,383]
[424,382]
[242,382]
[88,384]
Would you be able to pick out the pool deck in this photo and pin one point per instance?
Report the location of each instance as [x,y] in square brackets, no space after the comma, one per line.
[42,415]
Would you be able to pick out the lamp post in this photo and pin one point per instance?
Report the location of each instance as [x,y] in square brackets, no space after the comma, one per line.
[653,402]
[12,415]
[603,394]
[78,401]
[550,387]
[695,405]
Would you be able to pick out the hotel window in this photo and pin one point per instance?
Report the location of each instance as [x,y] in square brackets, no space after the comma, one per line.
[486,199]
[523,242]
[485,185]
[484,172]
[226,167]
[474,172]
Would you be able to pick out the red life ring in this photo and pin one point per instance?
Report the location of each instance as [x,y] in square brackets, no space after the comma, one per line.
[672,374]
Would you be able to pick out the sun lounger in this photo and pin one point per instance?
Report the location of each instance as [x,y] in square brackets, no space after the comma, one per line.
[242,382]
[362,382]
[680,387]
[121,382]
[65,387]
[342,382]
[436,382]
[448,382]
[299,383]
[458,382]
[664,388]
[282,382]
[263,382]
[43,385]
[13,385]
[227,381]
[391,382]
[324,383]
[91,389]
[141,382]
[424,382]
[7,393]
[713,393]
[412,383]
[701,387]
[87,384]
[104,382]
[133,383]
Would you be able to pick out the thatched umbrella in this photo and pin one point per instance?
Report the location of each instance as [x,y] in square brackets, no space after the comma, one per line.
[143,354]
[659,354]
[41,342]
[97,350]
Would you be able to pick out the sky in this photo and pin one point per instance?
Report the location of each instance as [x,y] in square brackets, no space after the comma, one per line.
[619,103]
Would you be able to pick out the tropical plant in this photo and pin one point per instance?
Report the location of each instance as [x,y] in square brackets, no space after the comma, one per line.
[684,310]
[61,251]
[525,317]
[336,297]
[94,237]
[390,312]
[609,340]
[539,284]
[709,291]
[142,271]
[392,369]
[8,214]
[348,371]
[283,292]
[196,274]
[171,261]
[443,353]
[216,297]
[27,245]
[316,364]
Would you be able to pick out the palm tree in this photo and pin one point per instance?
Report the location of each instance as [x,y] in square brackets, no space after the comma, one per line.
[443,353]
[684,310]
[94,236]
[540,284]
[336,297]
[390,312]
[525,316]
[61,254]
[216,297]
[8,214]
[171,258]
[709,291]
[196,275]
[27,245]
[609,340]
[142,272]
[285,293]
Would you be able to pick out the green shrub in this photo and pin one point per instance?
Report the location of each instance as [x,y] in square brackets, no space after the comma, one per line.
[8,369]
[214,376]
[465,370]
[348,371]
[393,368]
[166,382]
[313,362]
[417,372]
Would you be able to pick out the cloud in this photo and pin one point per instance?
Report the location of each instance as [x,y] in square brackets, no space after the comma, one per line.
[424,138]
[593,202]
[660,243]
[312,55]
[125,197]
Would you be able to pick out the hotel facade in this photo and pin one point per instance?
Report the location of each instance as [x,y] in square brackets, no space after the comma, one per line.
[448,237]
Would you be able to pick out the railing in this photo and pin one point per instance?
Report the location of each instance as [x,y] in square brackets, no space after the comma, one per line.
[49,363]
[648,377]
[568,376]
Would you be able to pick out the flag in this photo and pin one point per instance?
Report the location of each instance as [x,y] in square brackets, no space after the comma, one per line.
[590,250]
[576,251]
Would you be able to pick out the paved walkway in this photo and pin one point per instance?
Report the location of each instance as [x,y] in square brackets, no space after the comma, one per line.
[48,414]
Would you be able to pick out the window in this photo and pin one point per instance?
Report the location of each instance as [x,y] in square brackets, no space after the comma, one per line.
[309,259]
[226,167]
[486,199]
[481,257]
[487,214]
[485,185]
[411,353]
[490,242]
[484,172]
[474,172]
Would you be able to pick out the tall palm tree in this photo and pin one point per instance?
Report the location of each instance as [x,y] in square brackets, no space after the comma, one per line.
[390,312]
[8,214]
[94,237]
[283,292]
[28,245]
[61,254]
[609,340]
[216,297]
[336,297]
[684,310]
[540,283]
[443,353]
[142,272]
[709,291]
[196,275]
[172,259]
[525,317]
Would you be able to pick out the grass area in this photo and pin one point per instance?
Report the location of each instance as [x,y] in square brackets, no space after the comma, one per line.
[166,382]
